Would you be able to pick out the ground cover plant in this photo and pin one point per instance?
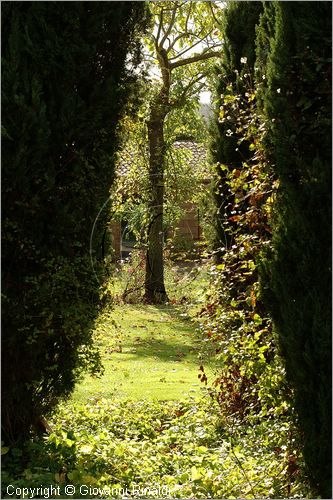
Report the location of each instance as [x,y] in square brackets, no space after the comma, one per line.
[154,449]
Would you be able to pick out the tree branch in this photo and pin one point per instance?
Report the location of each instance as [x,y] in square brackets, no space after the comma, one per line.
[213,14]
[188,16]
[169,28]
[185,93]
[188,48]
[160,24]
[175,40]
[193,59]
[185,33]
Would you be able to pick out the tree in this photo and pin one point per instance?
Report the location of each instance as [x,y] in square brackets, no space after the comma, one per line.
[181,43]
[294,54]
[67,71]
[186,167]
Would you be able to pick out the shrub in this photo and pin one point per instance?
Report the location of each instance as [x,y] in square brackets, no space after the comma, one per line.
[151,449]
[236,320]
[64,87]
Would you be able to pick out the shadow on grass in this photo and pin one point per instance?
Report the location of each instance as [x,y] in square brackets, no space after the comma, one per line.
[173,311]
[169,339]
[162,350]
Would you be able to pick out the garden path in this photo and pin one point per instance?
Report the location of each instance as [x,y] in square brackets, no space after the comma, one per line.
[148,352]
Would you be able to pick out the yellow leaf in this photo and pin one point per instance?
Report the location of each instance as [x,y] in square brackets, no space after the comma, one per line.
[195,474]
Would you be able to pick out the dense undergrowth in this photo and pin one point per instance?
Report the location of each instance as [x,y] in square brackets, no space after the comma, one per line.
[112,449]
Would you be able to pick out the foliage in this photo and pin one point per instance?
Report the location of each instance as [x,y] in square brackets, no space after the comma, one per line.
[234,79]
[65,82]
[250,383]
[296,281]
[185,38]
[251,378]
[186,275]
[233,318]
[184,172]
[179,449]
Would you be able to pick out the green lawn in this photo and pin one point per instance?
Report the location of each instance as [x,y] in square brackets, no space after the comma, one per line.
[149,352]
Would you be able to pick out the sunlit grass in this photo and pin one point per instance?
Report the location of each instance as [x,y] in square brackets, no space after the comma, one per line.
[151,352]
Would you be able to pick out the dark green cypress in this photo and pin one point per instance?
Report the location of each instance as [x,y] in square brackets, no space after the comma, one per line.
[65,84]
[296,275]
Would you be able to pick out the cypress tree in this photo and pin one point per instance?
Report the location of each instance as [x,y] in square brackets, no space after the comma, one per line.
[296,281]
[65,83]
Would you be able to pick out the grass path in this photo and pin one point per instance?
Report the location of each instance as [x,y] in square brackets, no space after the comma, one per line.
[149,352]
[144,429]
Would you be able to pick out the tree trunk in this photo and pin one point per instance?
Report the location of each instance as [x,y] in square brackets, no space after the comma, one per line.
[155,292]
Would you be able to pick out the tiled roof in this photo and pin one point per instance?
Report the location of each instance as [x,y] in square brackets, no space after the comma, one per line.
[197,158]
[199,153]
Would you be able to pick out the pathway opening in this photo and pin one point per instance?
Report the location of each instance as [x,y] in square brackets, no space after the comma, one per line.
[152,351]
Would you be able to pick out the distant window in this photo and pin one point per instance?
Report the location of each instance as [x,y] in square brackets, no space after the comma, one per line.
[128,240]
